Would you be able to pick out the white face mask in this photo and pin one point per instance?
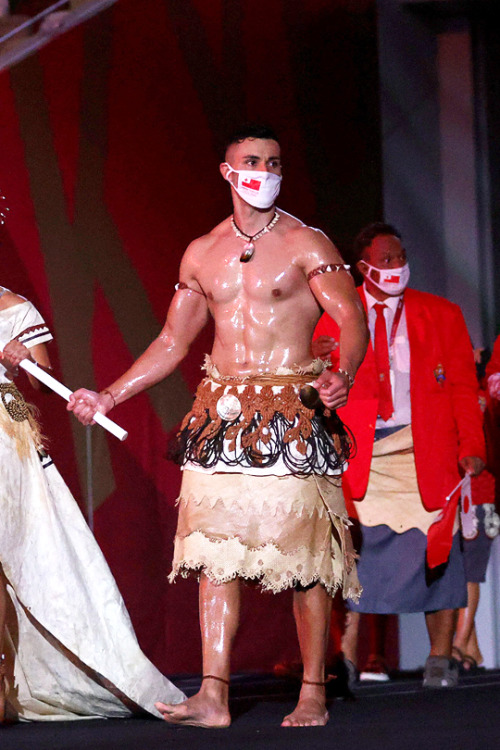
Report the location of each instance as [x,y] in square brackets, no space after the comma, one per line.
[391,281]
[260,189]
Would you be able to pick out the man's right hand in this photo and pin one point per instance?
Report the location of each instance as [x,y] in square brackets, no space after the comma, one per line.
[84,404]
[472,465]
[322,347]
[333,389]
[494,385]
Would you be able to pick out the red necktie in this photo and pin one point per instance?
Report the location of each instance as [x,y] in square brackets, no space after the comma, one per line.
[385,405]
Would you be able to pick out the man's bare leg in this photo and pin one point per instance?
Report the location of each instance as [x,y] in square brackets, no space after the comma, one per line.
[377,627]
[312,609]
[219,617]
[350,637]
[473,650]
[465,637]
[441,626]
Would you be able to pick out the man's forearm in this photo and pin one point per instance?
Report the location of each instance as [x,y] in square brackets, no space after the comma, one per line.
[158,361]
[354,338]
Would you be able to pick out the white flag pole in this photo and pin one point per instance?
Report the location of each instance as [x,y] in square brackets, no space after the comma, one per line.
[65,393]
[448,497]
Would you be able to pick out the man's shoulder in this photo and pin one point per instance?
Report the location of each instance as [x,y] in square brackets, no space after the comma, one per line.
[300,231]
[430,301]
[307,247]
[205,241]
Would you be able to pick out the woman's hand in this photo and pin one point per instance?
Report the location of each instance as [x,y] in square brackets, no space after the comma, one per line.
[14,352]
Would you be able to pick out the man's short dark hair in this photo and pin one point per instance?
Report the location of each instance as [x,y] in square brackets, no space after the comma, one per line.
[368,234]
[250,130]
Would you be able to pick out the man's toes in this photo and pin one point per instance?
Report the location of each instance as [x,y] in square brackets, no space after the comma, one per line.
[164,708]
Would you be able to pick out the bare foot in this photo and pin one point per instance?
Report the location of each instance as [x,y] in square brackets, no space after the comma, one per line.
[310,710]
[198,711]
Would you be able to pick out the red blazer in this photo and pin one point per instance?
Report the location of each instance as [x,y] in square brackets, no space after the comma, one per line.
[492,422]
[446,418]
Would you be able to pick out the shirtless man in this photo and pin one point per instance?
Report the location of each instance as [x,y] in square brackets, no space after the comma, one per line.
[266,291]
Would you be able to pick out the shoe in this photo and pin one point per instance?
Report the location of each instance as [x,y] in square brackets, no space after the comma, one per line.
[352,673]
[375,670]
[342,675]
[440,672]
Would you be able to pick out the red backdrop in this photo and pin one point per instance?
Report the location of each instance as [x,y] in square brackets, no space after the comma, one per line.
[109,146]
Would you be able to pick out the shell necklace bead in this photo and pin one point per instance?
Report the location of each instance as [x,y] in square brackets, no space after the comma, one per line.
[251,239]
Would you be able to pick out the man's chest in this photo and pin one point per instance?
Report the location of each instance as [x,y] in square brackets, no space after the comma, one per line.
[267,277]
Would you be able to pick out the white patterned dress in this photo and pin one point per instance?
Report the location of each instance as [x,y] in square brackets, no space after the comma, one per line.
[71,650]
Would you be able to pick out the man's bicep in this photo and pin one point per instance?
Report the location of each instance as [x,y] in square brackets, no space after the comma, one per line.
[187,315]
[337,295]
[316,251]
[189,269]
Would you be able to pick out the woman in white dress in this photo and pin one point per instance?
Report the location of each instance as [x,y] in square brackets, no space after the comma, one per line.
[67,646]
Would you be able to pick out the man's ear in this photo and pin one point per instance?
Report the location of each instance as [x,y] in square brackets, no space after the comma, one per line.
[224,169]
[362,267]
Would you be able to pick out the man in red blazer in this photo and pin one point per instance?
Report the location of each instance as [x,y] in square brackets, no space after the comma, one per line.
[414,413]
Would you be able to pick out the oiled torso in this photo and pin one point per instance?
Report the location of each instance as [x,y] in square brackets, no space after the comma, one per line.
[264,310]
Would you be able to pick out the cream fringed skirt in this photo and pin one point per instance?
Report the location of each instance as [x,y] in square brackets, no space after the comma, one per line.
[281,531]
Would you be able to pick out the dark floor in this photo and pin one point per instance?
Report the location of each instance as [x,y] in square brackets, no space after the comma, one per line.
[400,714]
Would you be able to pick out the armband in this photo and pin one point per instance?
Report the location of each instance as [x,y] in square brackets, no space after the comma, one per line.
[181,285]
[327,269]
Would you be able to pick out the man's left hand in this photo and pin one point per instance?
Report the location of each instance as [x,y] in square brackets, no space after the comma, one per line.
[333,388]
[472,465]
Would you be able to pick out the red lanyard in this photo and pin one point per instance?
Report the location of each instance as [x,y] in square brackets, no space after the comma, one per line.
[395,322]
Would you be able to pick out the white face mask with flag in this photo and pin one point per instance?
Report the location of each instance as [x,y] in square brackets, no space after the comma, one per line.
[259,189]
[391,281]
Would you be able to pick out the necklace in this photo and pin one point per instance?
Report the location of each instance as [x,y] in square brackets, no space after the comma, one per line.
[250,239]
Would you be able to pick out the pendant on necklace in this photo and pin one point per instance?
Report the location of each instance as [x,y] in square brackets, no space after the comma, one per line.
[248,251]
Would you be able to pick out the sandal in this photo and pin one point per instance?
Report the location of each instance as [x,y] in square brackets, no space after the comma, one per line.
[466,663]
[458,656]
[470,665]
